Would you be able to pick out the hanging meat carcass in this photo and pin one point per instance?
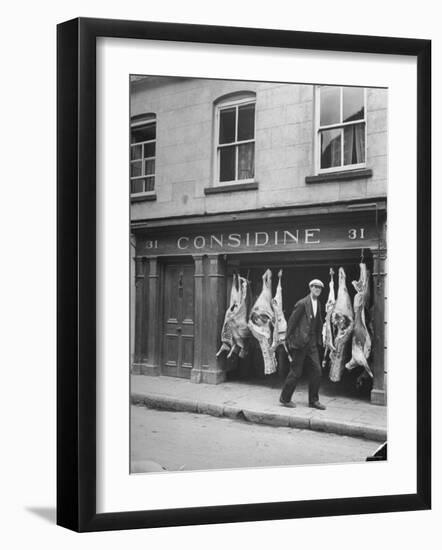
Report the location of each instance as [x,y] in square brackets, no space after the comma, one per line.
[327,329]
[226,332]
[369,316]
[280,326]
[361,341]
[342,326]
[235,329]
[261,321]
[237,320]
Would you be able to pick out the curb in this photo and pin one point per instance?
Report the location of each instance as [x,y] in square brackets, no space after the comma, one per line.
[352,429]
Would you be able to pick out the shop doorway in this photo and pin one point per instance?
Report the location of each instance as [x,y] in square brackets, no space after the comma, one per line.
[178,320]
[297,271]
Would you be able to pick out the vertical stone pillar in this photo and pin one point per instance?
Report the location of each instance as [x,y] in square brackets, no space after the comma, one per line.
[210,306]
[132,297]
[139,310]
[198,336]
[216,309]
[151,365]
[378,392]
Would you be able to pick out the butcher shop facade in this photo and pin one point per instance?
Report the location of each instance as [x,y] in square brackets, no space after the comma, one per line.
[185,269]
[242,192]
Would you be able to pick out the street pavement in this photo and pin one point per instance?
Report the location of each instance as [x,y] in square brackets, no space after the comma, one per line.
[258,403]
[179,441]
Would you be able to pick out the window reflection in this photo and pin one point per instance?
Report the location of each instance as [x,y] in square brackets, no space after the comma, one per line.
[353,104]
[330,148]
[330,105]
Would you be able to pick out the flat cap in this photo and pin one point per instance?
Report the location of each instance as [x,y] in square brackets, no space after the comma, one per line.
[316,282]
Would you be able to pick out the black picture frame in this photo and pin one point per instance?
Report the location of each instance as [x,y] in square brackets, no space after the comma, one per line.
[76,273]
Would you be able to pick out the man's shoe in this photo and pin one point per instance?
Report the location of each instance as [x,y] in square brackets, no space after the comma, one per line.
[288,404]
[317,405]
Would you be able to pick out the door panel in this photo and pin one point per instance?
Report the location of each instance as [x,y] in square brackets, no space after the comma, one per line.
[187,352]
[178,320]
[171,350]
[188,298]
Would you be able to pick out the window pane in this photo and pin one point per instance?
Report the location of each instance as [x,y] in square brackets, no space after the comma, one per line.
[227,164]
[227,120]
[150,183]
[135,169]
[246,122]
[149,167]
[354,144]
[144,133]
[353,107]
[137,186]
[330,106]
[135,152]
[246,161]
[330,148]
[149,150]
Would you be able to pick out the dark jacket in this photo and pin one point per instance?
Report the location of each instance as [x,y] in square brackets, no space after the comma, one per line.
[299,324]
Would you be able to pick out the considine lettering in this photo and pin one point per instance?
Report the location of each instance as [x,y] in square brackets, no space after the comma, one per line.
[256,239]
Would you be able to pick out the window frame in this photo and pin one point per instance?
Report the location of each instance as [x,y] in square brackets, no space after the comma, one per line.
[337,126]
[237,102]
[147,120]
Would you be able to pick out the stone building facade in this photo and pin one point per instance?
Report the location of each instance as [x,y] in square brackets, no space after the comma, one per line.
[232,176]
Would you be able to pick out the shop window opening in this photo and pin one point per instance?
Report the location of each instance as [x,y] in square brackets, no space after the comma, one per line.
[294,282]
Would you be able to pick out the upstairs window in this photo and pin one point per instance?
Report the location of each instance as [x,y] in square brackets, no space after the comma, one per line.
[142,154]
[341,118]
[235,141]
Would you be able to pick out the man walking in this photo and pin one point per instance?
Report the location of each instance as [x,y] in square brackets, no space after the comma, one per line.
[304,338]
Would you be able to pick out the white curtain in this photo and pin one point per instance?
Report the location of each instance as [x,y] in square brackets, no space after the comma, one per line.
[354,144]
[246,161]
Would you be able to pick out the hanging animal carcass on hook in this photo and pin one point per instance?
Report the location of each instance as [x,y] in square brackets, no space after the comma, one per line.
[261,322]
[280,326]
[238,321]
[226,332]
[342,321]
[327,329]
[361,341]
[235,330]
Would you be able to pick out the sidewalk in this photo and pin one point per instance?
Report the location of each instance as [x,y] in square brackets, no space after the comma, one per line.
[259,403]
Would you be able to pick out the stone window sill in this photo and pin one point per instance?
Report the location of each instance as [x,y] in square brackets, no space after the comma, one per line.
[141,197]
[340,176]
[231,188]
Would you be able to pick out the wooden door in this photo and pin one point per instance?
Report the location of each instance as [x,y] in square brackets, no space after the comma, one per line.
[178,320]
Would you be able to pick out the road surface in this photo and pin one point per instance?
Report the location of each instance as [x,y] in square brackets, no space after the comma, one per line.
[187,441]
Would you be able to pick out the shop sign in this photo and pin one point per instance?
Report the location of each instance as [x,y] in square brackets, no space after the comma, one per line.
[280,238]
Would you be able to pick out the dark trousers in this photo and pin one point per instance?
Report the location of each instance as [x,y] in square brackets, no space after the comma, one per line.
[310,356]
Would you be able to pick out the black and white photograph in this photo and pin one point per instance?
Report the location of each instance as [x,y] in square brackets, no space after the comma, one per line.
[259,273]
[222,264]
